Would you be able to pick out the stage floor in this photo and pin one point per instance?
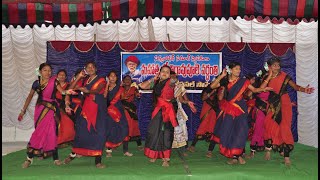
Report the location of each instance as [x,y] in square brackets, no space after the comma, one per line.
[195,166]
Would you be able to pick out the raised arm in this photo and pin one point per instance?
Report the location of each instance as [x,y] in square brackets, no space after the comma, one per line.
[148,84]
[216,82]
[296,87]
[73,84]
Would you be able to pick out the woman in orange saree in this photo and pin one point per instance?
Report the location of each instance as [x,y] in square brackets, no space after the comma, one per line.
[278,135]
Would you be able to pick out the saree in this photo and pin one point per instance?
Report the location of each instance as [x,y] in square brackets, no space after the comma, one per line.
[43,140]
[279,117]
[90,124]
[180,137]
[66,126]
[160,130]
[116,123]
[208,116]
[130,111]
[231,130]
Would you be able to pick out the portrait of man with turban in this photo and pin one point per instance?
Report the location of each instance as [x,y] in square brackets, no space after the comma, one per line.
[132,62]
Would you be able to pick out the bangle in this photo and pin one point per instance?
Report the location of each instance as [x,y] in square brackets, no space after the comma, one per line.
[63,92]
[300,89]
[266,81]
[23,111]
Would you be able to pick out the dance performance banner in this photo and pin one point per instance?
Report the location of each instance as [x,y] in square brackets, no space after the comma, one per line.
[195,69]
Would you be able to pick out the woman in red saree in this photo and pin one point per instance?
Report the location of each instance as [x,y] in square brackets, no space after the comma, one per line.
[130,110]
[46,116]
[160,131]
[66,126]
[278,135]
[231,130]
[208,117]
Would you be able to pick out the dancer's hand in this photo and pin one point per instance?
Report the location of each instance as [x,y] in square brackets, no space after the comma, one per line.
[71,91]
[20,117]
[68,110]
[84,89]
[224,73]
[268,89]
[192,107]
[157,76]
[309,90]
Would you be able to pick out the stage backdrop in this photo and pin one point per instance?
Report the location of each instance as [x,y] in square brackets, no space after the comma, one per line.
[73,55]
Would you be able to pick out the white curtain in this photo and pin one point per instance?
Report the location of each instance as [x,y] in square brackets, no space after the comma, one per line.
[23,49]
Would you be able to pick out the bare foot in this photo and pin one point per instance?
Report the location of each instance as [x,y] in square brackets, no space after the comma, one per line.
[78,156]
[100,166]
[191,149]
[57,162]
[68,159]
[267,156]
[209,154]
[232,161]
[128,154]
[108,155]
[26,164]
[165,164]
[241,160]
[140,148]
[166,159]
[251,155]
[152,160]
[184,154]
[287,161]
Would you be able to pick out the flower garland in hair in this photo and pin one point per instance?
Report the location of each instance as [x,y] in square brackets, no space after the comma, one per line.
[228,69]
[259,73]
[38,71]
[266,67]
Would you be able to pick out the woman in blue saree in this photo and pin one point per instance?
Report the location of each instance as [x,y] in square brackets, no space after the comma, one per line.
[231,130]
[90,124]
[117,129]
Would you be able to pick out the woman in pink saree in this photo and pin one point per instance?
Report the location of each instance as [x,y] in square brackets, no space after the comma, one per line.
[46,116]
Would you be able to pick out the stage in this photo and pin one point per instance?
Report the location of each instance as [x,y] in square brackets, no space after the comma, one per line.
[195,166]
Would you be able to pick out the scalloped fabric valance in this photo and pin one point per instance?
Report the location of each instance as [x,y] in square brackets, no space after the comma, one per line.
[76,12]
[277,49]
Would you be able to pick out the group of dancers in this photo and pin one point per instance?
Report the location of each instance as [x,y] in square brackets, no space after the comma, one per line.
[97,113]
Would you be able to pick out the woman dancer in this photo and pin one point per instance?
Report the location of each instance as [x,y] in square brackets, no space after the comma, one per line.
[159,137]
[46,116]
[180,138]
[278,135]
[231,130]
[90,124]
[66,127]
[130,110]
[116,124]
